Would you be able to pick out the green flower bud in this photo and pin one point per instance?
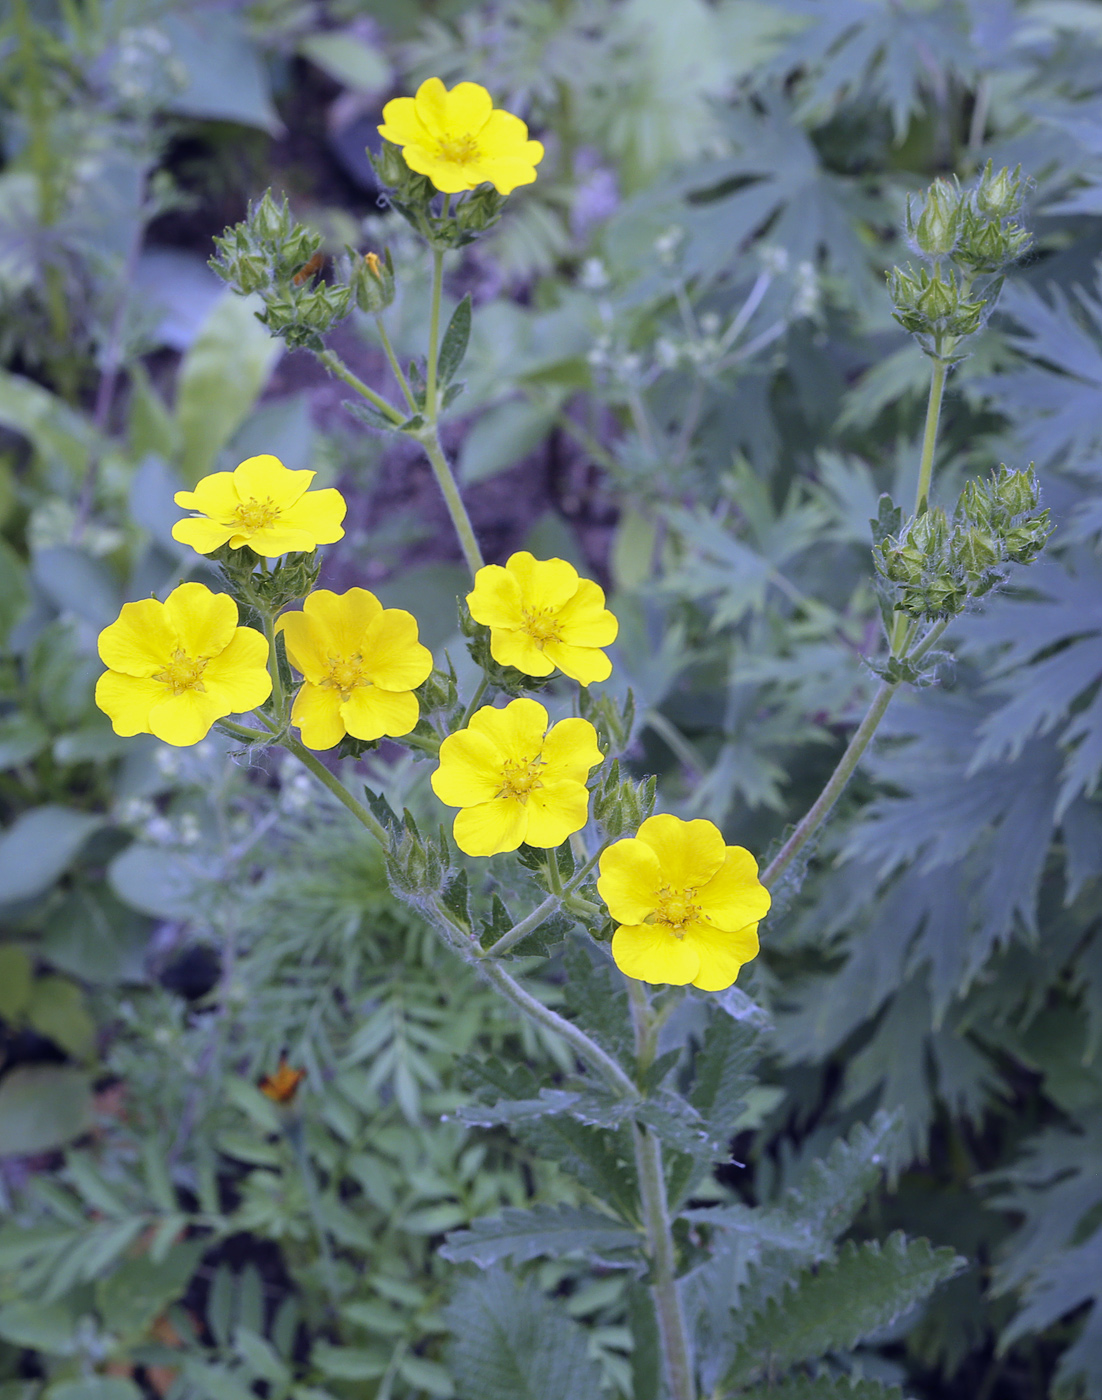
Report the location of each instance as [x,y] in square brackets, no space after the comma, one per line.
[977,552]
[269,221]
[998,196]
[934,233]
[372,281]
[390,166]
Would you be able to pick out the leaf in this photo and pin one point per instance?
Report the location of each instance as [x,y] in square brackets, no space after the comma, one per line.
[21,739]
[597,996]
[154,881]
[513,1343]
[226,80]
[16,973]
[39,847]
[454,345]
[132,1297]
[57,1010]
[44,1326]
[852,1297]
[721,1077]
[42,1107]
[833,1388]
[75,582]
[220,379]
[60,436]
[543,1231]
[350,1363]
[347,59]
[833,1189]
[502,436]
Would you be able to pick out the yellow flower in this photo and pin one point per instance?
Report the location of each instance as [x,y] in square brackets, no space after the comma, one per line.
[515,779]
[179,665]
[361,662]
[263,505]
[542,615]
[459,141]
[687,904]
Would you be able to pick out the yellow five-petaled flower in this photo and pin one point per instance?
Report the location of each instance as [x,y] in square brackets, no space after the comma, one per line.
[516,780]
[688,905]
[261,504]
[541,615]
[459,141]
[177,666]
[360,661]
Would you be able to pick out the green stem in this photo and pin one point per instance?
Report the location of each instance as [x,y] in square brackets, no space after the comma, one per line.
[554,879]
[521,930]
[430,441]
[395,367]
[434,334]
[338,789]
[273,667]
[476,699]
[672,1328]
[335,365]
[929,439]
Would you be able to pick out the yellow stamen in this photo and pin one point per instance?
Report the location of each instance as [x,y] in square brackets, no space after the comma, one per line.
[346,673]
[520,779]
[458,150]
[676,910]
[183,673]
[542,625]
[256,515]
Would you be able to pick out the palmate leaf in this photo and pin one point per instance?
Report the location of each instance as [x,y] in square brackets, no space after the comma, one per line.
[513,1343]
[833,1308]
[543,1231]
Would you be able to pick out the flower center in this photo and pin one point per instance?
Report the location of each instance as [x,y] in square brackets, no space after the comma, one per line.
[458,150]
[255,515]
[542,625]
[183,673]
[345,674]
[519,779]
[676,910]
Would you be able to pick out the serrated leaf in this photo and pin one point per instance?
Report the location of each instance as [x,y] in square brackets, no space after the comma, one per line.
[513,1343]
[833,1388]
[833,1189]
[722,1075]
[543,1231]
[853,1296]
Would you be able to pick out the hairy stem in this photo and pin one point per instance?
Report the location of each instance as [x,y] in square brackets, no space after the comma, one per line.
[434,333]
[273,666]
[395,367]
[929,437]
[430,441]
[335,365]
[672,1327]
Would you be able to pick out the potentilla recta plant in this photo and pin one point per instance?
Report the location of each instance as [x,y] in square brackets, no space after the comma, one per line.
[667,912]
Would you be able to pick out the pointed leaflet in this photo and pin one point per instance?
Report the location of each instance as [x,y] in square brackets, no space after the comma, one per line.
[543,1231]
[513,1343]
[454,345]
[833,1189]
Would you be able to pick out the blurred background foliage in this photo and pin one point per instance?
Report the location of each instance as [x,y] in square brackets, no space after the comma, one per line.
[684,377]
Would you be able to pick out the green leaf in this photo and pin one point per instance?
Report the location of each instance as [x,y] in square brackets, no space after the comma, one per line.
[42,1107]
[56,1010]
[513,1343]
[722,1076]
[543,1231]
[454,345]
[154,881]
[833,1388]
[426,1375]
[226,79]
[220,379]
[139,1290]
[39,847]
[502,436]
[14,595]
[833,1189]
[347,59]
[350,1363]
[44,1326]
[832,1309]
[60,436]
[16,972]
[21,737]
[75,582]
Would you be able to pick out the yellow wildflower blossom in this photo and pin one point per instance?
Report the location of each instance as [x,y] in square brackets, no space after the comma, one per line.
[541,615]
[177,666]
[360,661]
[516,780]
[688,905]
[261,504]
[458,140]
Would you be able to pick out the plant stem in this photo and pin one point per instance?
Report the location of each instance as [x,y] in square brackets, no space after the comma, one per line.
[338,789]
[430,441]
[521,930]
[929,439]
[273,666]
[819,811]
[335,365]
[672,1327]
[434,333]
[482,688]
[396,368]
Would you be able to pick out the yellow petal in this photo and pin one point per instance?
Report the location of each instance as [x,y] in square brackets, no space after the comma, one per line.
[555,811]
[517,731]
[570,750]
[394,658]
[468,108]
[584,621]
[127,701]
[402,126]
[544,583]
[238,677]
[721,954]
[734,897]
[265,478]
[305,651]
[317,713]
[215,496]
[629,881]
[507,175]
[519,650]
[689,853]
[491,827]
[141,640]
[470,769]
[204,621]
[370,713]
[495,599]
[319,514]
[185,718]
[446,175]
[341,620]
[504,136]
[431,104]
[582,664]
[652,954]
[274,540]
[203,535]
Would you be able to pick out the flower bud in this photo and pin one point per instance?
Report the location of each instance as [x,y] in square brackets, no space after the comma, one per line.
[998,196]
[372,281]
[935,231]
[390,166]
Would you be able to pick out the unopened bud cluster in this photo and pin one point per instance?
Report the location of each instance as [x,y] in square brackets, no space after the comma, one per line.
[620,805]
[935,565]
[413,196]
[272,588]
[272,254]
[975,233]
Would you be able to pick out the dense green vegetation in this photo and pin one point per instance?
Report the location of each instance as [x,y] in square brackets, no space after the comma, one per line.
[683,375]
